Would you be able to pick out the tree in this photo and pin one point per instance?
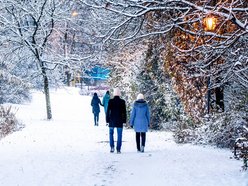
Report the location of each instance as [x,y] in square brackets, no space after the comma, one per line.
[204,53]
[36,38]
[199,54]
[139,69]
[156,85]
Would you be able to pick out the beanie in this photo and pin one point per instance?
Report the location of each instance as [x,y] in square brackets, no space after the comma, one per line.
[117,92]
[140,96]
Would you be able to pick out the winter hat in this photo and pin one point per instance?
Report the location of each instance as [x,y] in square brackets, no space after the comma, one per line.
[117,92]
[95,94]
[140,96]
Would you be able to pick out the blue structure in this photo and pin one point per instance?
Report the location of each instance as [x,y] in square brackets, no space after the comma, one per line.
[99,73]
[96,74]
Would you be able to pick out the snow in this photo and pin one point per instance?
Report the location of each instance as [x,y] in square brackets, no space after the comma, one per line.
[70,151]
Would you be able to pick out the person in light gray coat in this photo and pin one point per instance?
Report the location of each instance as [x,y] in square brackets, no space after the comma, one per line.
[140,121]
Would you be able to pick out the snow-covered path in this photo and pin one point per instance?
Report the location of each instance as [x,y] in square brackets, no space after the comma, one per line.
[70,151]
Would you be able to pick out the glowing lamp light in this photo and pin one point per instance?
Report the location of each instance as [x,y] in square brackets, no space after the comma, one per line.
[74,13]
[210,23]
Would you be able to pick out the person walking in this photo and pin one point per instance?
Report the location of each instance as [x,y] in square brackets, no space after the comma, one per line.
[140,121]
[116,116]
[95,102]
[105,101]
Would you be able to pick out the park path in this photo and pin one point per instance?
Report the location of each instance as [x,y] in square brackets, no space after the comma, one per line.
[70,151]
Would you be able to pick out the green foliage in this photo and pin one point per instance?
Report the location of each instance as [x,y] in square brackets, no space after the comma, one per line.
[155,84]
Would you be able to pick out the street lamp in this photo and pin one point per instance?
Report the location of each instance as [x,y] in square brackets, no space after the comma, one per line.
[210,23]
[66,43]
[74,13]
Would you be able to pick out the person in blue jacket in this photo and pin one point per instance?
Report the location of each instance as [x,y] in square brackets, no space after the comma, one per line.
[140,121]
[95,102]
[105,101]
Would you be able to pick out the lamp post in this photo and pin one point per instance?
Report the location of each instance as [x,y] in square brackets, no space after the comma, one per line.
[66,49]
[68,75]
[210,23]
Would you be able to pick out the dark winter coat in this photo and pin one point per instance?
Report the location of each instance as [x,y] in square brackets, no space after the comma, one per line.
[140,116]
[116,113]
[95,102]
[105,101]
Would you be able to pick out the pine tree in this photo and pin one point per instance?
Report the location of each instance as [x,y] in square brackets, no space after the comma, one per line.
[155,84]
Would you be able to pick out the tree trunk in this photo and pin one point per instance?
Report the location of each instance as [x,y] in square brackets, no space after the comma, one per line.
[68,77]
[47,94]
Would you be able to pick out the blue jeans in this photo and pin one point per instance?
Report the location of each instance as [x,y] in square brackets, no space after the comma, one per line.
[96,117]
[119,138]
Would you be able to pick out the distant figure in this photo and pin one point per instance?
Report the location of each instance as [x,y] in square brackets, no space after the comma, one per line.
[140,120]
[95,102]
[105,101]
[116,116]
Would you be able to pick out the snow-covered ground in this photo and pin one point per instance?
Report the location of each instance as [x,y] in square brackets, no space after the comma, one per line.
[70,151]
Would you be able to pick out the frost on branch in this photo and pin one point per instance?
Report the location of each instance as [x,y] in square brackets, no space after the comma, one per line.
[8,121]
[13,89]
[220,129]
[139,69]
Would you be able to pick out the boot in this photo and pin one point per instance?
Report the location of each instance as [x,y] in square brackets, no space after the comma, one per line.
[112,149]
[142,149]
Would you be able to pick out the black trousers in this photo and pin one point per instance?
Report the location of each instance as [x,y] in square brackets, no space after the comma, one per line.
[143,139]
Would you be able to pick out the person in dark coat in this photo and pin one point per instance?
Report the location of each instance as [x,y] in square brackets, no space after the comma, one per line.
[140,120]
[95,102]
[105,101]
[116,116]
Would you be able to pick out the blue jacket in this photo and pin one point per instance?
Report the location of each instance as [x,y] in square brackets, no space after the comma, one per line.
[95,104]
[140,116]
[105,102]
